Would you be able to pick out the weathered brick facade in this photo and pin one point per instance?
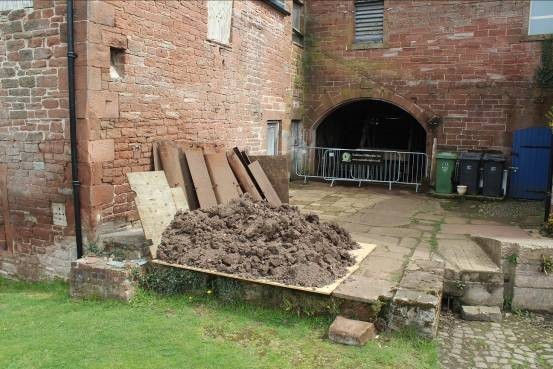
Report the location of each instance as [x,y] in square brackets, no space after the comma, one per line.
[34,141]
[467,62]
[173,84]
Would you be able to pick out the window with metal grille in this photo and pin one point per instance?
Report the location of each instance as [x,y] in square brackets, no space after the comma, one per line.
[369,20]
[273,133]
[15,4]
[541,18]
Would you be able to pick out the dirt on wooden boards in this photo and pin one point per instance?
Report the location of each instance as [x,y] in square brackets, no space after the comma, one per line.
[254,239]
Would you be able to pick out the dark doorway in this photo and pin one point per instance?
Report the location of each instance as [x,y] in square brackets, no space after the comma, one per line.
[371,124]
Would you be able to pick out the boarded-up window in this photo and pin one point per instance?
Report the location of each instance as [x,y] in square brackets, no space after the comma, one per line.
[273,133]
[15,4]
[541,18]
[219,17]
[369,20]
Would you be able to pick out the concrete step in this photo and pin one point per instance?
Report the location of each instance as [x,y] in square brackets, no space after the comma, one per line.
[470,274]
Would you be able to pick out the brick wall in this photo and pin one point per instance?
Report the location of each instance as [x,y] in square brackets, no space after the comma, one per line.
[467,62]
[34,141]
[175,84]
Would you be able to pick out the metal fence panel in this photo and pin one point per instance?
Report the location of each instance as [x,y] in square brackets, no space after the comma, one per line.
[361,165]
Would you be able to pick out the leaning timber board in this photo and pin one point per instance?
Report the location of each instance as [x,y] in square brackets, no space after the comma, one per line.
[360,255]
[200,177]
[154,202]
[170,161]
[225,185]
[242,175]
[264,183]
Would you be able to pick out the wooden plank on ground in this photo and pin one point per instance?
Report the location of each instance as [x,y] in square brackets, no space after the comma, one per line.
[155,156]
[224,182]
[242,175]
[264,183]
[7,236]
[359,254]
[154,203]
[200,177]
[171,163]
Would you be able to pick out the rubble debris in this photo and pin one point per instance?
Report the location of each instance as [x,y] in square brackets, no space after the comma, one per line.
[255,239]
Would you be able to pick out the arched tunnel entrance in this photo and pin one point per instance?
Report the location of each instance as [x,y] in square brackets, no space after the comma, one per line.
[367,140]
[371,124]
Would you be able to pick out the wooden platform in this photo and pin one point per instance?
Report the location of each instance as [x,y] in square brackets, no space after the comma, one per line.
[360,254]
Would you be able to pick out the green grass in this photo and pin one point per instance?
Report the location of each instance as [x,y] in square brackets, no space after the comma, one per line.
[40,327]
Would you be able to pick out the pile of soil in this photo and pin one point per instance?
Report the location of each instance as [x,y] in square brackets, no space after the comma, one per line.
[256,240]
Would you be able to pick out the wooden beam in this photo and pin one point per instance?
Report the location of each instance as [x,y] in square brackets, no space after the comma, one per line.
[224,182]
[201,178]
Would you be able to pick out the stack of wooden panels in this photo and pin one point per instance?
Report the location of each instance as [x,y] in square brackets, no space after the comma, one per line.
[209,176]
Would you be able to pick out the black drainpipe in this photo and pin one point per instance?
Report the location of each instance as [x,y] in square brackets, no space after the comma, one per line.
[73,128]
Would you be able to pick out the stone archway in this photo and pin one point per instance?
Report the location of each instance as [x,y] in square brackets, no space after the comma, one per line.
[330,101]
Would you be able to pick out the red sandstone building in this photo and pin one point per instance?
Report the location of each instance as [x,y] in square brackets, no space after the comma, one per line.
[263,75]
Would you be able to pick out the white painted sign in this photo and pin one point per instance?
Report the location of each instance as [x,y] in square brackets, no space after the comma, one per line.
[58,214]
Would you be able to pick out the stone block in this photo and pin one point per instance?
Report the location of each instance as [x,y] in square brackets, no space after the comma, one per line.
[101,150]
[482,294]
[101,12]
[131,243]
[93,277]
[104,104]
[533,299]
[417,310]
[481,313]
[351,332]
[114,40]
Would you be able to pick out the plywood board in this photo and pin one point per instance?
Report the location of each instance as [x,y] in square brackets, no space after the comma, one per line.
[264,183]
[4,206]
[200,177]
[242,175]
[359,254]
[171,163]
[154,202]
[179,198]
[224,182]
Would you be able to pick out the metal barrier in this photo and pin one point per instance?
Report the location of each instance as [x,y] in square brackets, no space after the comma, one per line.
[360,165]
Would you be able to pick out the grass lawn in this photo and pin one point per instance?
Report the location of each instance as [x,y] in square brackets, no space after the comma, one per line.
[40,327]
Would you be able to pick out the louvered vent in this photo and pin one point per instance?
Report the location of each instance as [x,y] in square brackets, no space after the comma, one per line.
[369,20]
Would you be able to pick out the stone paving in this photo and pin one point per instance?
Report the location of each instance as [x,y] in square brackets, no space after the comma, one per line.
[408,226]
[517,342]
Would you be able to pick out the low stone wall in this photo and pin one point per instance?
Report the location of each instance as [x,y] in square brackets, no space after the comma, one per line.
[94,277]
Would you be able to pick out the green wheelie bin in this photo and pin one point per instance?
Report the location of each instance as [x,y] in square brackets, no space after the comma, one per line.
[445,168]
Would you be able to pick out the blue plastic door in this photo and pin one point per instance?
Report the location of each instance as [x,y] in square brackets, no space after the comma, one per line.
[530,163]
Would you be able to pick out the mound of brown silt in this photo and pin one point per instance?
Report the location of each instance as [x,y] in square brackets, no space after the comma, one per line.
[256,240]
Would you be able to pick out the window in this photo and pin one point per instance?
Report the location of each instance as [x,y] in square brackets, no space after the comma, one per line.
[273,134]
[297,22]
[15,4]
[541,17]
[219,17]
[117,62]
[369,21]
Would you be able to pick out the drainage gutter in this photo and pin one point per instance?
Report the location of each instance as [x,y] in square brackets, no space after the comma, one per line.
[73,128]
